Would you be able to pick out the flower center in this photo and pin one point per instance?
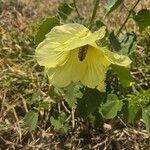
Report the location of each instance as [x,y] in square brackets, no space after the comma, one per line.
[82,52]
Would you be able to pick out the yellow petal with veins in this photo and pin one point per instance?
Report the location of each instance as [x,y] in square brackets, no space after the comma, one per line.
[72,70]
[113,57]
[97,66]
[52,58]
[70,54]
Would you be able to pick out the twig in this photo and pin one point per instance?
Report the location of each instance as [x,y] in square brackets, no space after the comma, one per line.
[24,103]
[73,119]
[75,5]
[17,121]
[2,103]
[122,122]
[99,144]
[94,13]
[119,31]
[63,104]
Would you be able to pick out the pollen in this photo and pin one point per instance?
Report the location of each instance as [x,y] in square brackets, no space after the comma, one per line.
[82,52]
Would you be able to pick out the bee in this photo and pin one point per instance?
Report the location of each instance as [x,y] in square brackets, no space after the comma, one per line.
[82,52]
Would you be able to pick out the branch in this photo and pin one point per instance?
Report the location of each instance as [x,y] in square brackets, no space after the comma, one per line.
[75,5]
[94,13]
[119,31]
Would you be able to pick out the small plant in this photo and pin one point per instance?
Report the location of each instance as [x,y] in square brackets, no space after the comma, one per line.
[88,66]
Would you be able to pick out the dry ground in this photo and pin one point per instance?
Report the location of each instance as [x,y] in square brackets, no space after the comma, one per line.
[20,78]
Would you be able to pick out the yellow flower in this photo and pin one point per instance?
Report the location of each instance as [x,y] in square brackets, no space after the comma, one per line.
[70,54]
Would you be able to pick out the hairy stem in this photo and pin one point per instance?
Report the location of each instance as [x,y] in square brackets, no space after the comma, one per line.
[94,13]
[130,12]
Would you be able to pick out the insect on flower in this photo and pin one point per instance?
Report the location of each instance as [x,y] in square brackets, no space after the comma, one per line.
[70,54]
[82,52]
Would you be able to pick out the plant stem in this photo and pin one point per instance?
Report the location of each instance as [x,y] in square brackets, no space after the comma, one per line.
[94,13]
[75,5]
[119,31]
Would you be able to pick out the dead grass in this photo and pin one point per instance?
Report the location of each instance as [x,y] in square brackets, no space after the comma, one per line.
[20,78]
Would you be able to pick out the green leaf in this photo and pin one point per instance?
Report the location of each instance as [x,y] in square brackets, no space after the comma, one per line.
[99,23]
[31,119]
[56,123]
[112,5]
[43,105]
[114,42]
[65,10]
[90,101]
[146,118]
[123,74]
[45,27]
[132,113]
[72,94]
[128,42]
[110,109]
[143,19]
[96,120]
[112,97]
[36,97]
[62,117]
[60,123]
[141,99]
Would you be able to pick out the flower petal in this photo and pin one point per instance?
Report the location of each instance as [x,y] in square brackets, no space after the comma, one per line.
[69,36]
[73,70]
[117,59]
[97,66]
[51,58]
[60,37]
[89,39]
[101,86]
[113,57]
[50,52]
[97,35]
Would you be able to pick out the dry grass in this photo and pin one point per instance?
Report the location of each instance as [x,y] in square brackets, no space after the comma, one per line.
[20,78]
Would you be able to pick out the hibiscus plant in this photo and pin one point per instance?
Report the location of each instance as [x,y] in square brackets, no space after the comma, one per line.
[87,66]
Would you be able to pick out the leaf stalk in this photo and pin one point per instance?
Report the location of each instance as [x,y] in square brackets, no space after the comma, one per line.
[94,13]
[130,12]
